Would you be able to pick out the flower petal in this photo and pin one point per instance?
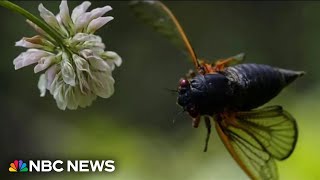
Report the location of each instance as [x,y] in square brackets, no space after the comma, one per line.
[111,58]
[114,57]
[85,99]
[98,23]
[98,12]
[64,13]
[86,53]
[27,44]
[50,75]
[44,63]
[55,83]
[81,63]
[83,82]
[37,42]
[92,45]
[98,64]
[83,37]
[79,10]
[36,28]
[67,71]
[102,84]
[62,28]
[70,98]
[58,90]
[29,57]
[42,85]
[84,19]
[48,16]
[61,102]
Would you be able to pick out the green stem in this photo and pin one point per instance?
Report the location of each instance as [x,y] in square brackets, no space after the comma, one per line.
[44,26]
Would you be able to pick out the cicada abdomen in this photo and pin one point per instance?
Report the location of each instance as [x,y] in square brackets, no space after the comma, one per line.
[252,85]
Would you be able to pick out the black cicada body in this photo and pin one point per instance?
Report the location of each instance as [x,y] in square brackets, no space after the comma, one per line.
[231,96]
[240,88]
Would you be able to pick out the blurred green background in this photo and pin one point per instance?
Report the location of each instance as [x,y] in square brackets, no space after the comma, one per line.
[134,127]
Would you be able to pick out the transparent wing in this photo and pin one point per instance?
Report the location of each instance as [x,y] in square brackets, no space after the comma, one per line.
[157,15]
[257,137]
[274,128]
[219,65]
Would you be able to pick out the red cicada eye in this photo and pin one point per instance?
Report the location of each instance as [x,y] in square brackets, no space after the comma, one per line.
[184,83]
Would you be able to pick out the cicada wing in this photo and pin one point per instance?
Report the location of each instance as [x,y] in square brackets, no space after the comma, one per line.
[234,60]
[219,65]
[249,154]
[274,128]
[251,157]
[157,15]
[257,137]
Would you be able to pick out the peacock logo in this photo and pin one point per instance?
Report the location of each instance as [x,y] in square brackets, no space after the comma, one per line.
[18,166]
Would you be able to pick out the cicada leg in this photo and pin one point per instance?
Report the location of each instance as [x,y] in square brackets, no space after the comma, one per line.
[208,126]
[195,122]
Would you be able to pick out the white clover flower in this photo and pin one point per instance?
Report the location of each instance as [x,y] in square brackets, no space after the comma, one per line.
[79,70]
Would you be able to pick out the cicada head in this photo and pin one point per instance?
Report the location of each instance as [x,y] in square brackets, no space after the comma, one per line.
[185,98]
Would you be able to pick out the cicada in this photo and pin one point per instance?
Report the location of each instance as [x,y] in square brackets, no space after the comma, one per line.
[230,92]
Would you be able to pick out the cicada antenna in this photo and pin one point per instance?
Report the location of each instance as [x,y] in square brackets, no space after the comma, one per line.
[173,91]
[177,115]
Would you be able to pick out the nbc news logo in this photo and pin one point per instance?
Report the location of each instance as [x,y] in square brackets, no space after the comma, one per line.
[59,166]
[18,166]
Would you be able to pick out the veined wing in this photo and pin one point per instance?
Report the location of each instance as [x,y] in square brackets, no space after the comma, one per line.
[257,137]
[160,17]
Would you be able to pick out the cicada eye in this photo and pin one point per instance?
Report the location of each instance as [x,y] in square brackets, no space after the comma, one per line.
[184,83]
